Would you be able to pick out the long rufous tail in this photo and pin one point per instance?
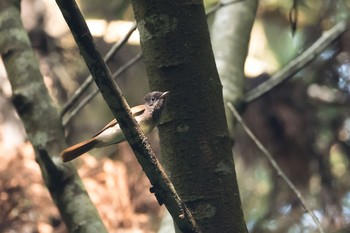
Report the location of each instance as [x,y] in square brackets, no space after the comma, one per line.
[78,149]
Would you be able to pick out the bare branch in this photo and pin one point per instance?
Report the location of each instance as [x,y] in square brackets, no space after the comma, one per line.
[274,164]
[298,63]
[80,91]
[127,65]
[88,98]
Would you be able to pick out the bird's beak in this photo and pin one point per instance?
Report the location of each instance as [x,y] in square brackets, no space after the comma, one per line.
[164,94]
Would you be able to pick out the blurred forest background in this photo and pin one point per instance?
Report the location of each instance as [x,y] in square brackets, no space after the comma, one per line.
[304,123]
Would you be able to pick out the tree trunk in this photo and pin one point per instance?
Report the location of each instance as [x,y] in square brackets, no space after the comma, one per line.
[195,144]
[41,121]
[230,36]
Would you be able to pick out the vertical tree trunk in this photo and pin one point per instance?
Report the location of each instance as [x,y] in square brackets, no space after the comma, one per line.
[195,144]
[41,121]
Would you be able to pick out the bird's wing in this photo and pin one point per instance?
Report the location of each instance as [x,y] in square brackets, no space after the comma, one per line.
[138,110]
[135,111]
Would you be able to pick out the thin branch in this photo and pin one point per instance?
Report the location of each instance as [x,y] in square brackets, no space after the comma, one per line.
[274,164]
[80,91]
[127,65]
[69,115]
[298,63]
[88,98]
[117,46]
[162,186]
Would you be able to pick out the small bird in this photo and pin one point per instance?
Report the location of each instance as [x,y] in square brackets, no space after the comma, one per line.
[147,116]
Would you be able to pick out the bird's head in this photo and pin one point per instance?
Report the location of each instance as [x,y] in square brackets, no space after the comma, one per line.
[156,101]
[155,98]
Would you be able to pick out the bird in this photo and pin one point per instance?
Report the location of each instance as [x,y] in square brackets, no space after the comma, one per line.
[147,115]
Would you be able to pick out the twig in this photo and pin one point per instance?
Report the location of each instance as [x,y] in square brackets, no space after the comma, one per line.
[115,48]
[88,98]
[274,164]
[162,186]
[298,63]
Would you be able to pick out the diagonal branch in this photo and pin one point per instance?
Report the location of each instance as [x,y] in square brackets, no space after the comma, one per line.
[276,167]
[91,95]
[298,63]
[162,187]
[80,91]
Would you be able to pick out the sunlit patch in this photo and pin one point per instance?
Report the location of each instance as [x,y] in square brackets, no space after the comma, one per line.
[112,31]
[344,133]
[344,76]
[286,209]
[97,27]
[308,222]
[118,29]
[328,54]
[338,162]
[322,93]
[346,206]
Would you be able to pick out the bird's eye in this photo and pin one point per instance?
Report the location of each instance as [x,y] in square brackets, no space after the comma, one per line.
[153,99]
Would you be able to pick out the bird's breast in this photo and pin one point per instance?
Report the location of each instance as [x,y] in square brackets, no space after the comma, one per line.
[146,125]
[109,136]
[114,134]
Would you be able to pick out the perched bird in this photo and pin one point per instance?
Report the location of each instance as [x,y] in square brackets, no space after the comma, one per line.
[147,116]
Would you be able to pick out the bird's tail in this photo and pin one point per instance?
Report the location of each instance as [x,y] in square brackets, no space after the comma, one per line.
[78,149]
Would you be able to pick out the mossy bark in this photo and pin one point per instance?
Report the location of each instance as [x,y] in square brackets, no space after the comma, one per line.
[41,121]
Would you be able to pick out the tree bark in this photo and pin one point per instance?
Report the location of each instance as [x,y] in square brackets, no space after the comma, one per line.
[42,123]
[230,36]
[194,137]
[162,187]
